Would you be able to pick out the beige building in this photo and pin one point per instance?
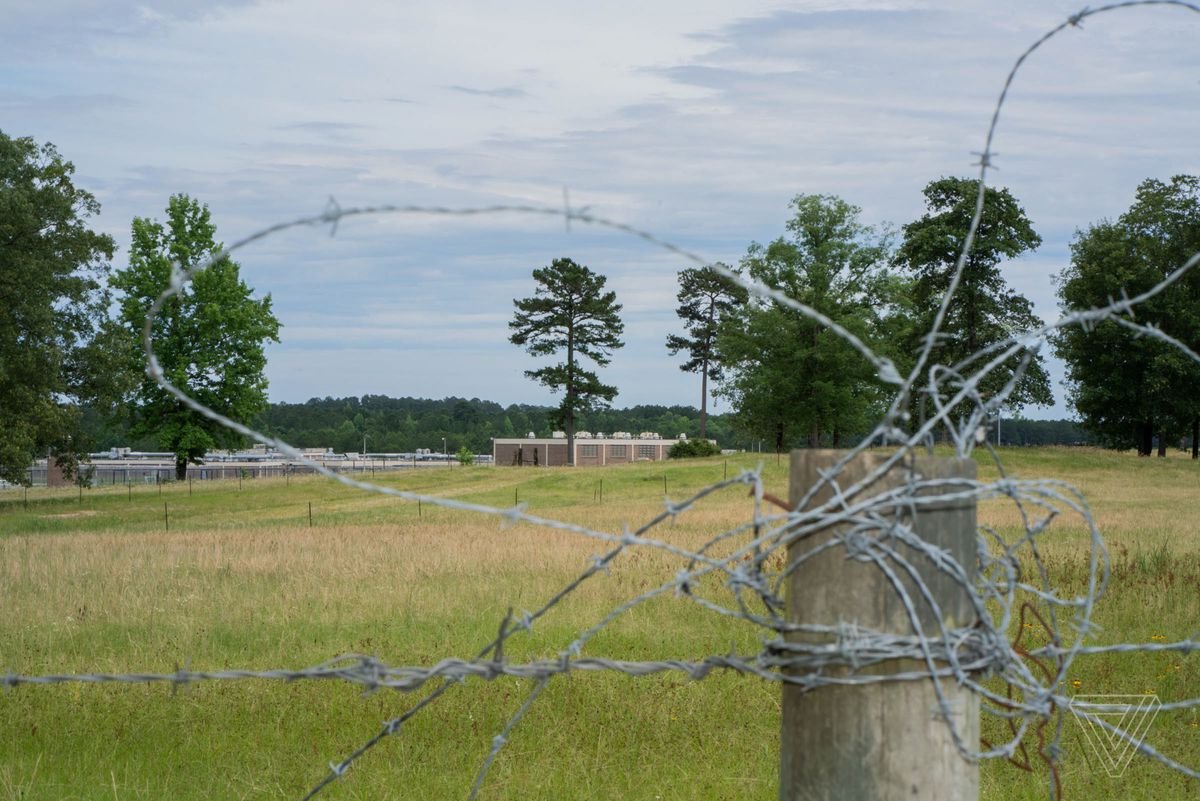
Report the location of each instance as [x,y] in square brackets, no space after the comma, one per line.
[590,449]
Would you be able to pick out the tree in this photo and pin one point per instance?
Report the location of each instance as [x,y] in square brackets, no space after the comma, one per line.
[209,339]
[570,311]
[984,310]
[55,349]
[1129,388]
[786,376]
[705,298]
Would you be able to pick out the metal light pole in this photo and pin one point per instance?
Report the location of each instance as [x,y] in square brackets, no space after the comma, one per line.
[443,447]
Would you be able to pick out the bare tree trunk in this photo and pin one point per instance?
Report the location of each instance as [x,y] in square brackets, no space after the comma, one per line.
[1147,443]
[1196,437]
[181,468]
[704,401]
[1162,443]
[814,436]
[569,417]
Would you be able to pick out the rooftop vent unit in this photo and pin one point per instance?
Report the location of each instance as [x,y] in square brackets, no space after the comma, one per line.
[558,434]
[583,434]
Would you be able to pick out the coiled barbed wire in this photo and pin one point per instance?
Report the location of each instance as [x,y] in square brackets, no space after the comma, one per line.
[867,527]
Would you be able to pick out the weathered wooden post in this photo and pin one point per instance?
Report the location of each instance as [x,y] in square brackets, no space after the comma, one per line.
[882,741]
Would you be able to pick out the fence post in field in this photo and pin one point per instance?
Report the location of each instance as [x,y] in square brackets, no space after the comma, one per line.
[882,741]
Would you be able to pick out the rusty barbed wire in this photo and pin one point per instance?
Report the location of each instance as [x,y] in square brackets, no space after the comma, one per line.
[749,584]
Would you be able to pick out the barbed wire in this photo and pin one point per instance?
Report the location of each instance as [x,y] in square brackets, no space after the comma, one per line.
[869,526]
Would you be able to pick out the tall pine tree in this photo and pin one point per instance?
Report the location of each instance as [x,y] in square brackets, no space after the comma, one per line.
[705,298]
[570,312]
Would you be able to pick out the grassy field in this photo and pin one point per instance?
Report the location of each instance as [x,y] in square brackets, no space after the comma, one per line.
[241,579]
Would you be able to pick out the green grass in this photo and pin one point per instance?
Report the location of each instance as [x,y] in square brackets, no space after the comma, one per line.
[242,580]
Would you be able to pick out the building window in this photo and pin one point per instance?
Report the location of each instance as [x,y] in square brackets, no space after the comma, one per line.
[646,451]
[617,451]
[589,450]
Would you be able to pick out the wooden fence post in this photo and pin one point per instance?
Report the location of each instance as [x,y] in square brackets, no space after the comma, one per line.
[882,741]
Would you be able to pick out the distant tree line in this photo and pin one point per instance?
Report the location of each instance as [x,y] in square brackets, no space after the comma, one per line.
[402,425]
[1043,432]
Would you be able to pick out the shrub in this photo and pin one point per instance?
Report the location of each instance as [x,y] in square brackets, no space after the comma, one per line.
[465,456]
[689,448]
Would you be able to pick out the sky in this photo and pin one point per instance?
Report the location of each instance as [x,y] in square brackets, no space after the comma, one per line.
[696,121]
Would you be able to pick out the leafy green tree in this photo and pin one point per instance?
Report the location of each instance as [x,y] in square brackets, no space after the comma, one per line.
[209,339]
[705,298]
[1126,387]
[465,456]
[570,311]
[786,376]
[55,345]
[984,310]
